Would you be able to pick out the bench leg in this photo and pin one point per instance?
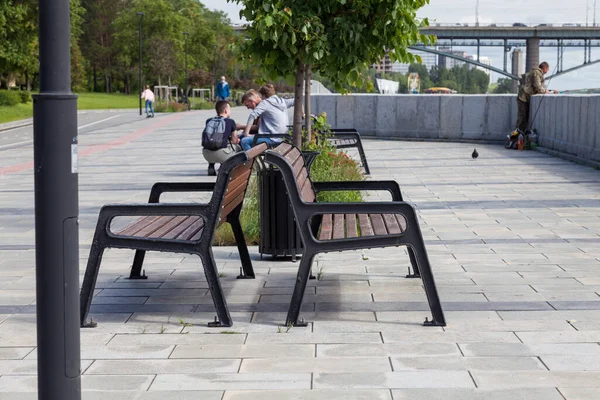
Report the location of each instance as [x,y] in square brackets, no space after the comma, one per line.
[89,284]
[136,268]
[247,272]
[363,158]
[413,263]
[299,289]
[212,277]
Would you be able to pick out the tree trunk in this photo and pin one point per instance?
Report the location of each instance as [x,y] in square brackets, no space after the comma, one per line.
[297,132]
[95,80]
[27,81]
[307,117]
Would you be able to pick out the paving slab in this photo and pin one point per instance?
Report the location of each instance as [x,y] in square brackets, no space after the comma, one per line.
[515,257]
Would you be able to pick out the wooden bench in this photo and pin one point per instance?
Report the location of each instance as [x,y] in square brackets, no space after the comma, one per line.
[178,228]
[326,227]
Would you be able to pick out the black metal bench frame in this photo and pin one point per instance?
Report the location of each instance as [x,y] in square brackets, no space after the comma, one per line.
[336,137]
[209,212]
[308,219]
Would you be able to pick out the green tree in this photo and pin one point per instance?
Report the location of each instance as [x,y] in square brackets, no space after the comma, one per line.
[338,39]
[504,86]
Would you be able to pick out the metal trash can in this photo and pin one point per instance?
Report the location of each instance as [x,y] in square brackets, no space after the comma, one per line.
[279,235]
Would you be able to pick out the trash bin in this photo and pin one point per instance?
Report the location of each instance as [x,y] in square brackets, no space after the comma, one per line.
[279,235]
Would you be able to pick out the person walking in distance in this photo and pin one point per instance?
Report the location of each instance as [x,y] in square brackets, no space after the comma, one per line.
[223,92]
[532,85]
[148,95]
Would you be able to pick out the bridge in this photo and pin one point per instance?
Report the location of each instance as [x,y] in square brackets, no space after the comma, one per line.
[510,36]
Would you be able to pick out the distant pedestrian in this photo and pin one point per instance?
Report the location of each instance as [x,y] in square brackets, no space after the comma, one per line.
[148,95]
[222,91]
[532,85]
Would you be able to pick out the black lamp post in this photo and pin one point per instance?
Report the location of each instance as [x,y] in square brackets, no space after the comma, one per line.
[185,86]
[56,210]
[140,17]
[214,70]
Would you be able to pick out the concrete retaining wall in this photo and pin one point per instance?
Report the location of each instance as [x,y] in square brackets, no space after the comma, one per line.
[568,124]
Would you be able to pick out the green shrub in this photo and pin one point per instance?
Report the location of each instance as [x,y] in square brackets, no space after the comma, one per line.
[25,97]
[203,105]
[9,97]
[170,107]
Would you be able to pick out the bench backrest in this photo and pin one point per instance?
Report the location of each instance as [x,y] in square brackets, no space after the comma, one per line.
[295,159]
[237,181]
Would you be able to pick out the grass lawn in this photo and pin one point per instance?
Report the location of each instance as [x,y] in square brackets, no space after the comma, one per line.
[85,101]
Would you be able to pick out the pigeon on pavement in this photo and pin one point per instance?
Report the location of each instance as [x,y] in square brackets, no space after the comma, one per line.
[475,154]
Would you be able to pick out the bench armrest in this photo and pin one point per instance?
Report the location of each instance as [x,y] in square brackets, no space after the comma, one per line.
[110,211]
[171,187]
[390,186]
[380,207]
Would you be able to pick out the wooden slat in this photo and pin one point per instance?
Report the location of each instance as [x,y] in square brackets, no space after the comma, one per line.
[283,148]
[197,234]
[365,225]
[378,224]
[166,228]
[300,179]
[326,227]
[391,223]
[256,150]
[240,170]
[154,226]
[232,204]
[401,221]
[298,166]
[191,230]
[137,225]
[235,187]
[307,192]
[185,224]
[338,226]
[293,155]
[351,230]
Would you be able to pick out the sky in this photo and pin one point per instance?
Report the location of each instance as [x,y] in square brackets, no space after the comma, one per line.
[530,12]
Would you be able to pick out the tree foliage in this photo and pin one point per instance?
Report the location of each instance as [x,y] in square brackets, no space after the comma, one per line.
[338,39]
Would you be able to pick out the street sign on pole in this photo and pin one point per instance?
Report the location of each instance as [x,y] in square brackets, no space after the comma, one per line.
[56,210]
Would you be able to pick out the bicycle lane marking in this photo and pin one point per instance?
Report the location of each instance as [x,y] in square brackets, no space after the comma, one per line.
[93,149]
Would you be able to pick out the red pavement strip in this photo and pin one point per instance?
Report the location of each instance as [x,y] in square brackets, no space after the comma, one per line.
[138,133]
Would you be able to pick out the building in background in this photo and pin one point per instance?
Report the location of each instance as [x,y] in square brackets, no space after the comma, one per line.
[517,66]
[385,65]
[428,60]
[448,62]
[483,60]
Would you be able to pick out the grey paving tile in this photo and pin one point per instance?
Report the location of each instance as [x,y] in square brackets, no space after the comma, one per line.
[477,394]
[393,380]
[467,363]
[175,339]
[297,336]
[560,337]
[151,367]
[14,353]
[450,337]
[387,350]
[314,394]
[246,381]
[313,365]
[573,393]
[572,363]
[525,350]
[506,379]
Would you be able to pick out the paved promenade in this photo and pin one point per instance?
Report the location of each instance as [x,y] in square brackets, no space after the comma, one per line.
[513,238]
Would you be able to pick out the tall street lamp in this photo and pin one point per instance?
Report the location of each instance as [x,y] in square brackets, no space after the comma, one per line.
[214,77]
[140,17]
[185,86]
[56,210]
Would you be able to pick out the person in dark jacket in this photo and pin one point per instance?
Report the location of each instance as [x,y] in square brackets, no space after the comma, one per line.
[532,85]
